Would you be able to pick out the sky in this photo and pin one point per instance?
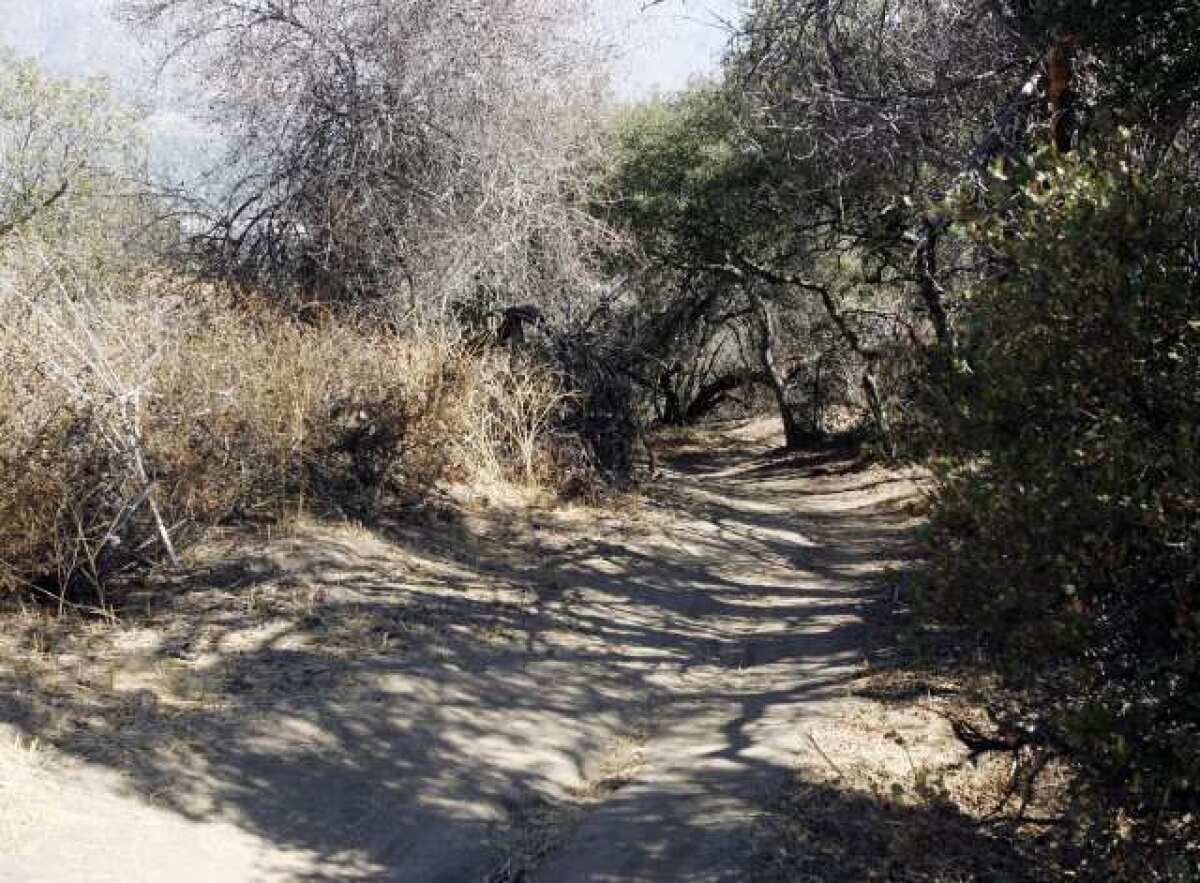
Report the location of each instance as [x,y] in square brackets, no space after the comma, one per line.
[667,44]
[661,46]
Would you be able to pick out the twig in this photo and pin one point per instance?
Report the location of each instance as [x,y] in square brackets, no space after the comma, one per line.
[135,444]
[977,743]
[827,758]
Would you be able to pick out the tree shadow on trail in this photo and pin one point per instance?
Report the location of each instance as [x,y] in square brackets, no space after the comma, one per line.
[389,704]
[818,832]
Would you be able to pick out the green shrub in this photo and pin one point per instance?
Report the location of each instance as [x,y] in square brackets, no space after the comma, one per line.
[72,162]
[1067,523]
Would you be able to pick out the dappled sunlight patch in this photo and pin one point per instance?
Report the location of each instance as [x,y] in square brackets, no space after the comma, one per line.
[484,671]
[26,793]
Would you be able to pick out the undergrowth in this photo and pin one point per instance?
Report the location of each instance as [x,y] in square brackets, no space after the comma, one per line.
[132,419]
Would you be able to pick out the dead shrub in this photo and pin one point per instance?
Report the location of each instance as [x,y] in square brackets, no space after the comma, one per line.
[130,421]
[515,408]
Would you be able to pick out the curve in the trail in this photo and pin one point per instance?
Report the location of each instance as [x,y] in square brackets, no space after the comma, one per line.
[442,702]
[783,552]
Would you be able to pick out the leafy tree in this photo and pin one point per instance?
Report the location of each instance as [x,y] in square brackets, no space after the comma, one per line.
[706,205]
[993,204]
[71,159]
[1067,528]
[666,192]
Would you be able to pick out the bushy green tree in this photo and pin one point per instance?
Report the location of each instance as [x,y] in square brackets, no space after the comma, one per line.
[680,187]
[741,257]
[71,163]
[1013,184]
[686,179]
[1067,525]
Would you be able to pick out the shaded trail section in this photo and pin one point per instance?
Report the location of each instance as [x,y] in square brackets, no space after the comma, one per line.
[557,696]
[785,553]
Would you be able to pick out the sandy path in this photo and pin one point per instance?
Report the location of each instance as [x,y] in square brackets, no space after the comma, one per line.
[551,697]
[790,550]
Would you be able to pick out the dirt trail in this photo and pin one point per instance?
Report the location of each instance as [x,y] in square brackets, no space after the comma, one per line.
[557,696]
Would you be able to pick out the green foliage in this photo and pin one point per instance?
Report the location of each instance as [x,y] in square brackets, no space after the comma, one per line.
[70,158]
[1067,525]
[1150,48]
[674,189]
[1043,327]
[684,180]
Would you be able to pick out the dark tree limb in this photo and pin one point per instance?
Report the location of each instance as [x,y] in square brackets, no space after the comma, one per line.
[29,214]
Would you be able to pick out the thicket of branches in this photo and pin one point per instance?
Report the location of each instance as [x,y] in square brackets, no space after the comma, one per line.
[391,167]
[430,163]
[982,212]
[419,152]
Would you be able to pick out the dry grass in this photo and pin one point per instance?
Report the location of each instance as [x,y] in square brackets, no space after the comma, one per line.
[130,421]
[515,408]
[888,794]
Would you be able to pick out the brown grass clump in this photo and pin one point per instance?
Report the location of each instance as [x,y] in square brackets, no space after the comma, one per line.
[129,421]
[886,792]
[514,410]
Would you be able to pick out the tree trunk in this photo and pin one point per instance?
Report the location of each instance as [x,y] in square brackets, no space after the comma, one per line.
[671,411]
[931,291]
[1060,73]
[818,398]
[793,429]
[711,395]
[871,389]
